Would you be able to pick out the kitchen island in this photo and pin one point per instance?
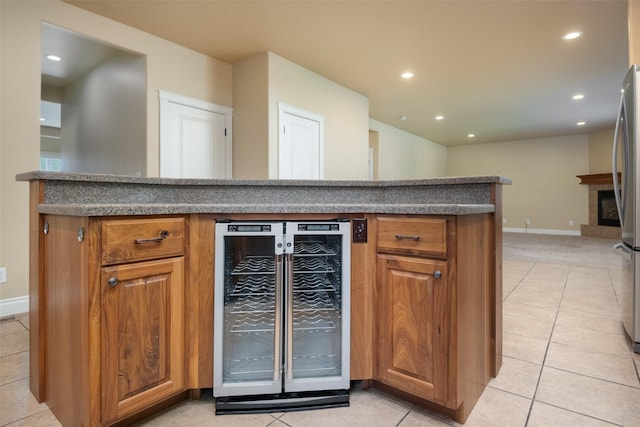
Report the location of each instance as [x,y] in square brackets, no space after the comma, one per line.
[426,312]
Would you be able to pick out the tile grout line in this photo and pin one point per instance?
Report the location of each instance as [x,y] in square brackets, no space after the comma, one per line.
[636,360]
[504,297]
[9,318]
[24,418]
[582,414]
[544,358]
[404,417]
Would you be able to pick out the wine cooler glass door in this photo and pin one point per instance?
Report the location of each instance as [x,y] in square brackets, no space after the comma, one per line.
[317,306]
[248,308]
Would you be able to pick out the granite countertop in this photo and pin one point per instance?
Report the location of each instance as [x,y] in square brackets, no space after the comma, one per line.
[171,209]
[79,194]
[124,179]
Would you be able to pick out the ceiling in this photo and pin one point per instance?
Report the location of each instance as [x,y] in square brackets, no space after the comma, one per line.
[497,69]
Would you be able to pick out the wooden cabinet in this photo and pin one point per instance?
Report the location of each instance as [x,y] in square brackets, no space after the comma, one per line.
[142,335]
[114,324]
[433,319]
[413,326]
[129,240]
[413,236]
[115,339]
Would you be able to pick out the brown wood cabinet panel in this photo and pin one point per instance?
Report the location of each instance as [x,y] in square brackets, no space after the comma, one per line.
[141,239]
[37,297]
[495,281]
[413,236]
[199,300]
[363,277]
[142,338]
[413,326]
[66,328]
[473,332]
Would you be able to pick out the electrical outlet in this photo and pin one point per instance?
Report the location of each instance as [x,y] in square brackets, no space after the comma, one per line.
[504,220]
[359,230]
[571,222]
[3,275]
[527,221]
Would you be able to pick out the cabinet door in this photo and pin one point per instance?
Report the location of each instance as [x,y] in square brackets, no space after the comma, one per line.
[413,326]
[142,335]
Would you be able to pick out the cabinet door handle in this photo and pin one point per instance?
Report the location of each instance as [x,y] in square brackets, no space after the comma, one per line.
[163,235]
[437,274]
[113,281]
[402,236]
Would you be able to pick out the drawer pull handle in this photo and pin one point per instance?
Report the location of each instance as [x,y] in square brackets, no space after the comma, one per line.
[113,281]
[402,236]
[437,274]
[163,235]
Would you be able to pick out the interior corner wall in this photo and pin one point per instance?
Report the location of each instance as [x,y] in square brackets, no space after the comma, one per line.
[345,112]
[600,151]
[169,67]
[545,189]
[251,118]
[402,155]
[103,119]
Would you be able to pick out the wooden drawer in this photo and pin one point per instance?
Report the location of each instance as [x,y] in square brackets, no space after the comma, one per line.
[413,236]
[141,239]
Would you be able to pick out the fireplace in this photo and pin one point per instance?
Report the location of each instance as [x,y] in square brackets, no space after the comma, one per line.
[607,209]
[603,214]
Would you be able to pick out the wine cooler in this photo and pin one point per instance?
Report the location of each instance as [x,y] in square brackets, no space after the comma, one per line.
[281,323]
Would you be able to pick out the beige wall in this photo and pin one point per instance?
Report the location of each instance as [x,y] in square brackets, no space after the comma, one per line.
[634,31]
[545,189]
[345,112]
[170,67]
[402,155]
[251,117]
[266,79]
[600,150]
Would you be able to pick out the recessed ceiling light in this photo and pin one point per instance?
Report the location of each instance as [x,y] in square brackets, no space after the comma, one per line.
[403,118]
[54,58]
[471,135]
[572,35]
[42,119]
[581,123]
[406,75]
[439,117]
[577,96]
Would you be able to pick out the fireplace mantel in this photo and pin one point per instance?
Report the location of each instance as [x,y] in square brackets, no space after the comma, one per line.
[597,178]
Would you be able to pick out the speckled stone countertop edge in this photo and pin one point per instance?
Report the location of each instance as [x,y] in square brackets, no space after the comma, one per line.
[182,209]
[125,179]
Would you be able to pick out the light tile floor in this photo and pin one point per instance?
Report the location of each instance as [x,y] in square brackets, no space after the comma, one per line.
[566,359]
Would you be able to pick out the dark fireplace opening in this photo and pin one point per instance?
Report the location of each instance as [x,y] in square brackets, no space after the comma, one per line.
[607,209]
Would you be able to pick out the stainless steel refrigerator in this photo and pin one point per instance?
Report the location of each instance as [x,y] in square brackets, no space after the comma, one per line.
[626,147]
[281,322]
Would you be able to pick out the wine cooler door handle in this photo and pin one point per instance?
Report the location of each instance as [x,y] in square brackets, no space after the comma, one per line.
[289,346]
[278,322]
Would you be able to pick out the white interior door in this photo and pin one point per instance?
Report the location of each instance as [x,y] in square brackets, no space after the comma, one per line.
[300,145]
[194,139]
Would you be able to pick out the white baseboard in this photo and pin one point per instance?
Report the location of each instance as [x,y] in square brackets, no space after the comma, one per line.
[541,231]
[11,306]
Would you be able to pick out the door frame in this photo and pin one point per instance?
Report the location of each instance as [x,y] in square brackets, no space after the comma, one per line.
[290,109]
[167,97]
